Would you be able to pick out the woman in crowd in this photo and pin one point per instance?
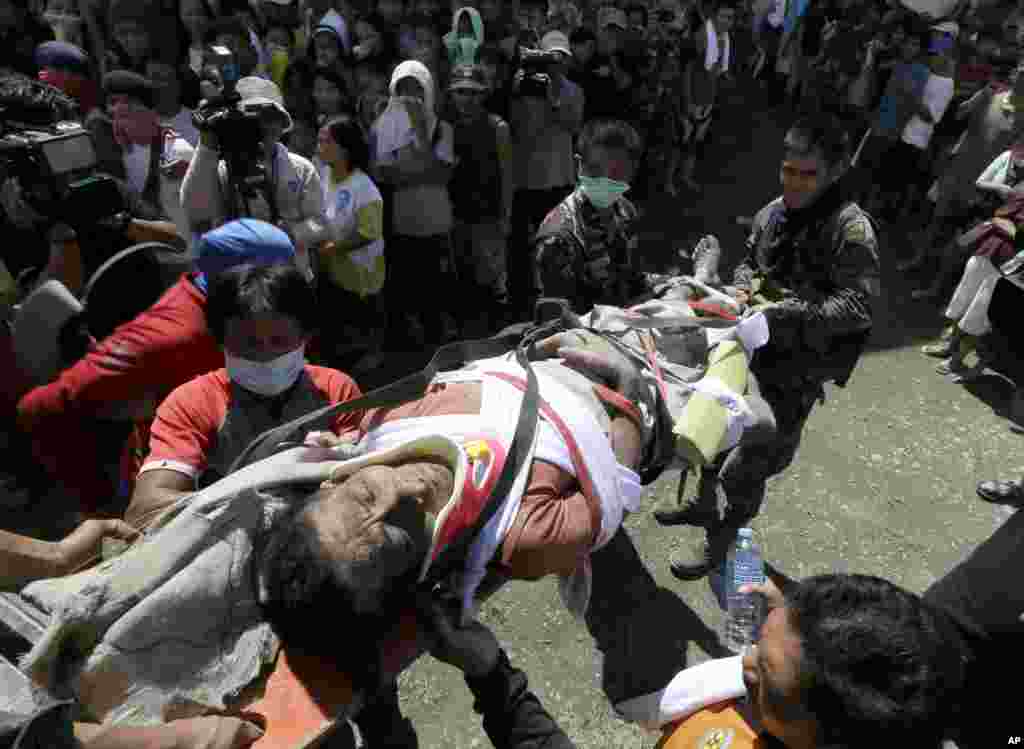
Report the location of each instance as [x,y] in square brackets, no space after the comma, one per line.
[414,156]
[352,260]
[330,96]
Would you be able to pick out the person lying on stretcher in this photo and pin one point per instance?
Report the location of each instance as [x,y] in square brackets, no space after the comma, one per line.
[367,539]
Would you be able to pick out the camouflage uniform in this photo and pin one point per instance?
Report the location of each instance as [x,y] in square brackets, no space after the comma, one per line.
[816,277]
[585,258]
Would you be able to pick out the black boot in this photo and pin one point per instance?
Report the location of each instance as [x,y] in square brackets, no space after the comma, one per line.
[700,509]
[696,561]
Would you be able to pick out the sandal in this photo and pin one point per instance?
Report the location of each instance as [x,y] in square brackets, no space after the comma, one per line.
[1009,493]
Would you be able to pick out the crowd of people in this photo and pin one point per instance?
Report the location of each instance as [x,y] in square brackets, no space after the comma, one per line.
[407,174]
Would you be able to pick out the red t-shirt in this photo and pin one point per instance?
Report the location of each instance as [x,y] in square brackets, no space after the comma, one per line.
[139,364]
[146,357]
[192,430]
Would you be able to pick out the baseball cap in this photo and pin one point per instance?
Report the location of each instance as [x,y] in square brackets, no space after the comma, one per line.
[556,41]
[243,241]
[467,78]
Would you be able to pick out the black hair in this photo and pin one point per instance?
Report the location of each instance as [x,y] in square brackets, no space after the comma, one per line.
[25,99]
[610,134]
[876,665]
[582,35]
[303,601]
[247,291]
[637,8]
[283,27]
[348,133]
[824,132]
[334,77]
[306,596]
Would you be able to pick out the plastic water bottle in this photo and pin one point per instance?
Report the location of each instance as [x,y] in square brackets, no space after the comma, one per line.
[743,566]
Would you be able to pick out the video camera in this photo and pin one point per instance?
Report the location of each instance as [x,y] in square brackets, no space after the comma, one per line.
[535,66]
[55,166]
[239,131]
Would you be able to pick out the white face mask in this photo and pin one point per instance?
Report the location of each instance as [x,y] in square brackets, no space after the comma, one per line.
[266,377]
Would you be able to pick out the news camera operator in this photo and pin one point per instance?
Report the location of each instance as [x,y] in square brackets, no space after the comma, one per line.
[546,112]
[241,168]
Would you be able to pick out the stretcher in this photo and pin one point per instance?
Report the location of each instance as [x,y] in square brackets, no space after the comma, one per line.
[298,703]
[301,700]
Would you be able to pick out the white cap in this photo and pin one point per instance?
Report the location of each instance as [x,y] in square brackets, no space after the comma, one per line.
[556,41]
[256,91]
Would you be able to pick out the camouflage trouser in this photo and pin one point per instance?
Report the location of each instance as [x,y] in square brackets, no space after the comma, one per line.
[481,250]
[746,469]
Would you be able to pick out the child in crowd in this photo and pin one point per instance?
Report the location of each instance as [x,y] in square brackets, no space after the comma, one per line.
[330,96]
[330,45]
[279,43]
[352,261]
[464,40]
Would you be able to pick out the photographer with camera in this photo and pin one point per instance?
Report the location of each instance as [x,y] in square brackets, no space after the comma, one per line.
[546,112]
[241,168]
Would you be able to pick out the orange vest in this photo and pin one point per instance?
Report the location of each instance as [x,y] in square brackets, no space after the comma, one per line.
[716,727]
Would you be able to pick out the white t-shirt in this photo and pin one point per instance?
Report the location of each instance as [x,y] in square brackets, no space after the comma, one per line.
[352,205]
[938,92]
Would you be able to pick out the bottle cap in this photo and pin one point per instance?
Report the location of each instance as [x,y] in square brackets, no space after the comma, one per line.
[746,532]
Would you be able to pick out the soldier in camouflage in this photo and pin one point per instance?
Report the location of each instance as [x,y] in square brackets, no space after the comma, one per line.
[812,268]
[585,248]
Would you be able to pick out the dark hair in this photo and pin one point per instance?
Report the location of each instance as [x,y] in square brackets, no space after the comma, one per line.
[916,31]
[582,35]
[348,133]
[283,27]
[610,134]
[637,8]
[303,601]
[876,665]
[248,291]
[306,596]
[332,75]
[826,133]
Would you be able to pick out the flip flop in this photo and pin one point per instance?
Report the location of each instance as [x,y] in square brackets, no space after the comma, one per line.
[1008,493]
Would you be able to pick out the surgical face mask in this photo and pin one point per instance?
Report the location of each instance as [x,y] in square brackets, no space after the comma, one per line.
[602,192]
[266,377]
[466,50]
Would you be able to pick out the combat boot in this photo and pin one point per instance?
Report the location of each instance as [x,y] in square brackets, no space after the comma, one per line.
[706,257]
[700,509]
[698,559]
